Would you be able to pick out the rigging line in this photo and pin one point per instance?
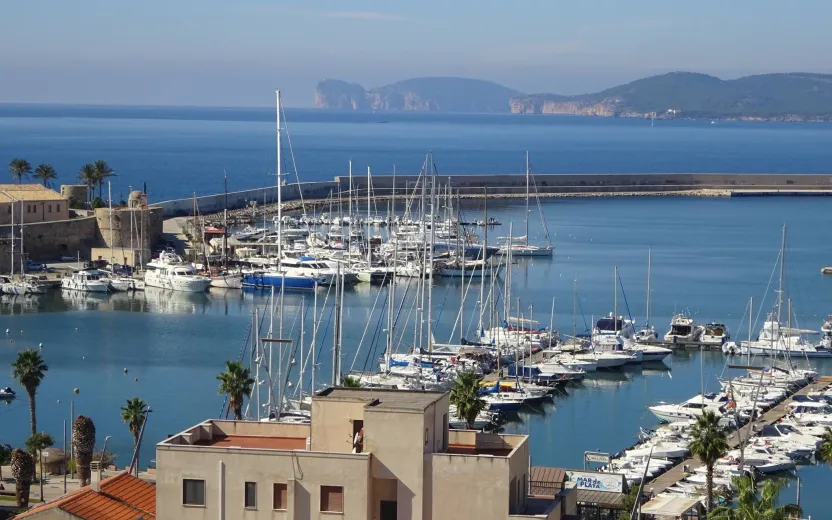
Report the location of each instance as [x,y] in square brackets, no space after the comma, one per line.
[442,308]
[292,154]
[243,350]
[624,294]
[366,327]
[398,315]
[771,278]
[374,342]
[414,302]
[539,208]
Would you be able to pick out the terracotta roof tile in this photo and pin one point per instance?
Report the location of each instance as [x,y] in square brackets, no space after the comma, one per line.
[122,497]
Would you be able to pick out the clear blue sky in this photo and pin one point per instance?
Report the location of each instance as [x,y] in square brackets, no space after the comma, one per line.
[235,52]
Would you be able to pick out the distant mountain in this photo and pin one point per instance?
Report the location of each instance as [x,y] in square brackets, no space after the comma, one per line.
[787,97]
[423,94]
[784,97]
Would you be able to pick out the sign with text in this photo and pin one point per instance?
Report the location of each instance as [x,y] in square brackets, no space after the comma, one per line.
[596,481]
[594,456]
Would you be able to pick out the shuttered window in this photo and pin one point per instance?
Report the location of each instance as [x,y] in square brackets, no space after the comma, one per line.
[193,492]
[251,495]
[281,498]
[332,499]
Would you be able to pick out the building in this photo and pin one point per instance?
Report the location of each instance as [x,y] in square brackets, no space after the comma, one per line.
[367,454]
[32,203]
[122,497]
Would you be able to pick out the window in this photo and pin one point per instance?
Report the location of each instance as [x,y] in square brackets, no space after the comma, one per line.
[251,495]
[58,208]
[332,499]
[426,436]
[50,208]
[281,498]
[193,492]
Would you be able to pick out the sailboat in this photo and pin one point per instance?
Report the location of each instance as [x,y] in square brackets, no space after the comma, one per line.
[22,286]
[777,340]
[520,245]
[648,332]
[278,276]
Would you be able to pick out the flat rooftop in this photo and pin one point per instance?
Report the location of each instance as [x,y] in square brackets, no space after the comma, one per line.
[254,441]
[382,399]
[465,449]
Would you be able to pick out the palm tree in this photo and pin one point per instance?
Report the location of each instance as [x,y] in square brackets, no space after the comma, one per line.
[5,457]
[465,395]
[29,370]
[89,177]
[23,471]
[824,453]
[708,444]
[36,444]
[19,168]
[103,171]
[134,414]
[83,440]
[752,507]
[46,173]
[236,382]
[351,382]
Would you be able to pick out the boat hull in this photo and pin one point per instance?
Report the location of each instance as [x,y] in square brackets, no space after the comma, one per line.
[280,280]
[229,281]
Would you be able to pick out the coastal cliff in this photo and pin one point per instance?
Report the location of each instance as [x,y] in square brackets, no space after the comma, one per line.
[418,94]
[764,97]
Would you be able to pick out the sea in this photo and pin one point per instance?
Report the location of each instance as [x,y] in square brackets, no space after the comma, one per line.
[709,257]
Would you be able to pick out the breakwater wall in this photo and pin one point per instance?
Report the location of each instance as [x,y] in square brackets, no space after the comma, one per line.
[548,185]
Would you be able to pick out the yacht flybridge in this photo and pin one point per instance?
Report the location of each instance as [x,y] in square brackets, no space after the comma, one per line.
[683,329]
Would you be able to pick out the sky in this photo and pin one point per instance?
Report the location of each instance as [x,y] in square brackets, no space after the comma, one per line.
[236,52]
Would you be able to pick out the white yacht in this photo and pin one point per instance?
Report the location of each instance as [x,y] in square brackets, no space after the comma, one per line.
[690,409]
[606,359]
[608,330]
[88,280]
[826,331]
[683,329]
[648,352]
[777,340]
[715,334]
[175,278]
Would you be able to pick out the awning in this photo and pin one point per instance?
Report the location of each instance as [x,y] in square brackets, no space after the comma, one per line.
[670,505]
[601,498]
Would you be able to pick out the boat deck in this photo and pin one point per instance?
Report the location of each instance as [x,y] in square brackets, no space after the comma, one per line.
[677,472]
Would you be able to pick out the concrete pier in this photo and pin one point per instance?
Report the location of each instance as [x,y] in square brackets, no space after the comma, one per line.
[677,472]
[511,186]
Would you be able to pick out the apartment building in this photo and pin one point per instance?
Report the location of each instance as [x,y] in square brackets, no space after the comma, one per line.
[31,203]
[367,454]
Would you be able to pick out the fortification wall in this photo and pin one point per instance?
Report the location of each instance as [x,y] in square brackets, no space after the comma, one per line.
[48,241]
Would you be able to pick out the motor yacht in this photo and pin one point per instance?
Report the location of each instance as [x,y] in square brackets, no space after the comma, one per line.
[608,330]
[88,280]
[690,409]
[7,394]
[175,278]
[715,334]
[683,329]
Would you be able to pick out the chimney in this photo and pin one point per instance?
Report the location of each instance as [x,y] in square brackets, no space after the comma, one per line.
[95,476]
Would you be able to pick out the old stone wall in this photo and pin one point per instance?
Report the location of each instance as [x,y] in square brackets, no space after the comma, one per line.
[48,241]
[127,223]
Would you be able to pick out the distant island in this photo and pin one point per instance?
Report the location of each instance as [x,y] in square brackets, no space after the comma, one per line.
[773,97]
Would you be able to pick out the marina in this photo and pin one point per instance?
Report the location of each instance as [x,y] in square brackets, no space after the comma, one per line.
[168,346]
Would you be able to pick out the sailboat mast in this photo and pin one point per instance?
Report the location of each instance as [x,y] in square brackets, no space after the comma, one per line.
[782,272]
[224,221]
[460,241]
[649,267]
[302,337]
[336,371]
[109,196]
[527,196]
[12,236]
[483,252]
[279,189]
[314,338]
[574,307]
[615,299]
[367,238]
[432,239]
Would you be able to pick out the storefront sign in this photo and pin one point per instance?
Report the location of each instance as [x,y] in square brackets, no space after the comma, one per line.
[610,482]
[594,456]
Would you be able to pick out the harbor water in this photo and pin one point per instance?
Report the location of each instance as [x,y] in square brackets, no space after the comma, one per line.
[708,257]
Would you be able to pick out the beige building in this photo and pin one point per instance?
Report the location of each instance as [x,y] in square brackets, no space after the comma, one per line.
[367,454]
[31,203]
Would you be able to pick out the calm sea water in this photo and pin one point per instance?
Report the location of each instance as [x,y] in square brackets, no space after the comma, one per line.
[179,151]
[709,257]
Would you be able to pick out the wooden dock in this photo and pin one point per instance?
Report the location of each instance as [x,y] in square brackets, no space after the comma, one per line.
[677,472]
